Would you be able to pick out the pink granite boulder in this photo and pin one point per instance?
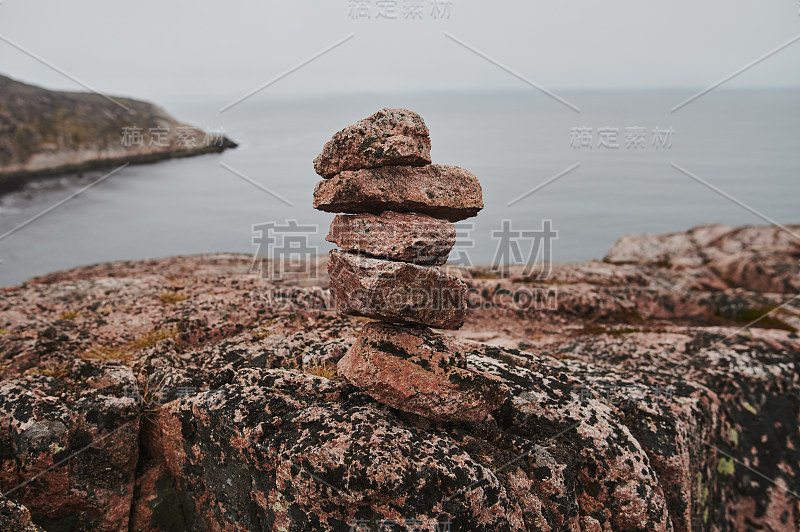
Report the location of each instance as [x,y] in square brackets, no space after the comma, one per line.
[389,137]
[414,238]
[447,192]
[415,370]
[396,292]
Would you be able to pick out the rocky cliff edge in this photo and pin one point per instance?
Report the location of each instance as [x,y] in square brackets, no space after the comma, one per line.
[191,393]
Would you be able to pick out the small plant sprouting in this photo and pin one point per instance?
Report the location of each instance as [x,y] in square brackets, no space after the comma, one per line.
[127,352]
[326,370]
[106,353]
[151,395]
[151,338]
[50,369]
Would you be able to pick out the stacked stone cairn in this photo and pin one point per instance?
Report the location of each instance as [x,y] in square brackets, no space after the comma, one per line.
[395,229]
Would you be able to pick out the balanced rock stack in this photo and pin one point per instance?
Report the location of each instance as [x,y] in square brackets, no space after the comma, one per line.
[396,229]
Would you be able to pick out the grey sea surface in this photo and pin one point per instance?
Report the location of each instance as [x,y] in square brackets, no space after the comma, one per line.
[743,143]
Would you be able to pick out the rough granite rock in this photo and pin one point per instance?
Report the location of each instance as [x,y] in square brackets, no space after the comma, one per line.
[96,408]
[414,238]
[636,402]
[416,370]
[762,259]
[389,137]
[15,518]
[396,292]
[446,192]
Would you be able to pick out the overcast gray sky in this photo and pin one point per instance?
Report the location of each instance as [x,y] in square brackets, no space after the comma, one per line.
[160,50]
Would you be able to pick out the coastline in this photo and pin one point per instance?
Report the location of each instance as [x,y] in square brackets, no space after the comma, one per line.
[15,180]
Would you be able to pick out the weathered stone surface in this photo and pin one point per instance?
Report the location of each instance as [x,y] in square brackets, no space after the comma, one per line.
[389,137]
[759,258]
[414,238]
[15,518]
[416,370]
[397,292]
[447,192]
[279,450]
[55,412]
[629,396]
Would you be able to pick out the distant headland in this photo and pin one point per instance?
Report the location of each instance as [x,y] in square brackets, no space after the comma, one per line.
[44,132]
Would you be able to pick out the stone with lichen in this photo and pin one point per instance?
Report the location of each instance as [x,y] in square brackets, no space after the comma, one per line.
[446,192]
[415,370]
[388,137]
[397,292]
[414,238]
[627,398]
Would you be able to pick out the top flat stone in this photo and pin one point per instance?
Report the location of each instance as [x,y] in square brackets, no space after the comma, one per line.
[445,192]
[389,137]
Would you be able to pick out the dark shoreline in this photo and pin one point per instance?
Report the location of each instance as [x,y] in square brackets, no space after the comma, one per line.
[13,181]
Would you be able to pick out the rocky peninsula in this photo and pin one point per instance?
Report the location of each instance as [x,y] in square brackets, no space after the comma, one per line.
[44,132]
[189,393]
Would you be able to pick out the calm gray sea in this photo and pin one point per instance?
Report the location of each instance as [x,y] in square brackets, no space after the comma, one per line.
[745,143]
